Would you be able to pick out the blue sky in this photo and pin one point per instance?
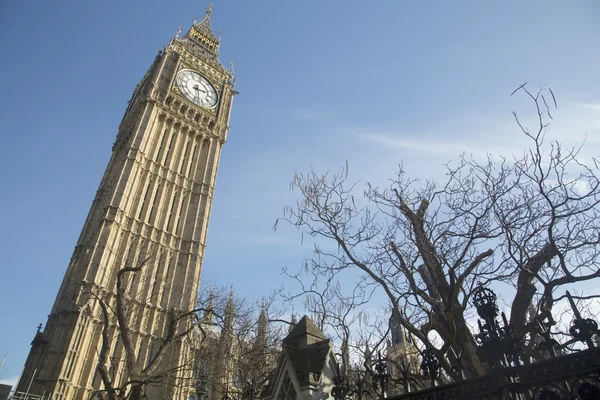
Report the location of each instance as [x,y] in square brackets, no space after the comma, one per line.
[321,83]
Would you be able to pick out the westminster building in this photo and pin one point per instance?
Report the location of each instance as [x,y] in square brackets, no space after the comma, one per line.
[144,237]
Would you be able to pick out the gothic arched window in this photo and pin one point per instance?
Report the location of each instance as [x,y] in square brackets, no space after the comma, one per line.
[287,390]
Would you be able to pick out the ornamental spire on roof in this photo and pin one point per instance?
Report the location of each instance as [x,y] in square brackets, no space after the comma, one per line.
[201,33]
[209,312]
[205,23]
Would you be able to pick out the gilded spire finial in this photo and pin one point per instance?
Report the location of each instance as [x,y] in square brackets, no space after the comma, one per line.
[209,312]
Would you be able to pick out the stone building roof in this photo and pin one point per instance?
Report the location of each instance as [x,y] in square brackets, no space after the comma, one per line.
[306,349]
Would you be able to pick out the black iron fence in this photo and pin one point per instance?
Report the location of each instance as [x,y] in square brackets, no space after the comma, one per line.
[512,375]
[573,376]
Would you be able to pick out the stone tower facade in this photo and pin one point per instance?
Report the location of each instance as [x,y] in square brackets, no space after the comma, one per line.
[151,210]
[402,354]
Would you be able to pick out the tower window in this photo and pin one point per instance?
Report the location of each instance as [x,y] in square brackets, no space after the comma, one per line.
[144,200]
[173,205]
[182,109]
[168,100]
[178,217]
[156,282]
[149,220]
[191,161]
[187,144]
[168,150]
[162,141]
[196,118]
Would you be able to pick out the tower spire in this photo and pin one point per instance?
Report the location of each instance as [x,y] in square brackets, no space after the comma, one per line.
[171,83]
[229,306]
[292,323]
[209,313]
[201,34]
[262,323]
[396,327]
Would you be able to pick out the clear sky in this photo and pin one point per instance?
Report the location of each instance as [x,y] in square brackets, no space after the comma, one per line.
[320,82]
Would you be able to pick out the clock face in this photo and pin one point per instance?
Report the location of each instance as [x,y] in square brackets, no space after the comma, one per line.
[197,88]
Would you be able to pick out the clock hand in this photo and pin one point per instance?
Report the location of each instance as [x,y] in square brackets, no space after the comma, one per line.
[196,88]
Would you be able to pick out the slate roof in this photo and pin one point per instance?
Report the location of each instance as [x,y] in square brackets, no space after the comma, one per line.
[305,327]
[307,349]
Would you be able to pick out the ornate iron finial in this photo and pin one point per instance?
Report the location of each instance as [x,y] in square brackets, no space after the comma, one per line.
[583,329]
[178,33]
[498,344]
[209,9]
[430,365]
[39,328]
[484,300]
[340,389]
[381,377]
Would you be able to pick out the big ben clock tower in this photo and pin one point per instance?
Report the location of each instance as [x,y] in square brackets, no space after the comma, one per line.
[151,211]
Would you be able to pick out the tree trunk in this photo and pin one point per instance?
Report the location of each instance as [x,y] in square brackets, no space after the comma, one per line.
[462,341]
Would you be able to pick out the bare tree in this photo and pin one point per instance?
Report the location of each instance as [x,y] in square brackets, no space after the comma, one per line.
[530,223]
[118,316]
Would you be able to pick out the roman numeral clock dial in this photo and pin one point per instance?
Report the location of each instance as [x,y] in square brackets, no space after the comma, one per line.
[197,88]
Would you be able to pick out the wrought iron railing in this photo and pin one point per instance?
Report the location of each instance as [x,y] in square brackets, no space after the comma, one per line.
[569,377]
[512,375]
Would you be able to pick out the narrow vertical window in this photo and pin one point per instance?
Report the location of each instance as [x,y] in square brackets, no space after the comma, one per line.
[162,142]
[165,293]
[178,217]
[171,212]
[184,156]
[131,283]
[191,160]
[152,206]
[144,200]
[150,355]
[168,150]
[156,280]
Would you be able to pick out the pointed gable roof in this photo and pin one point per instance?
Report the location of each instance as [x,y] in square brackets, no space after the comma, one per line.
[305,328]
[306,350]
[307,347]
